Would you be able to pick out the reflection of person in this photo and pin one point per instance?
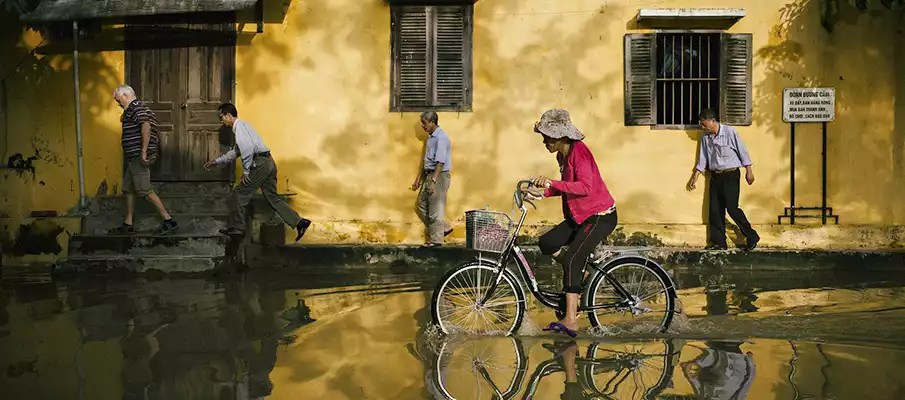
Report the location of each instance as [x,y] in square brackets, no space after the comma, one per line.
[434,179]
[589,210]
[140,142]
[721,372]
[722,152]
[258,171]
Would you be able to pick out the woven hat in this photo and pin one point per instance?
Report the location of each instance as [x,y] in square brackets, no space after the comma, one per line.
[556,124]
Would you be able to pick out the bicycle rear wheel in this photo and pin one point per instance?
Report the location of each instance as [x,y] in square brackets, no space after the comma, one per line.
[649,307]
[455,305]
[643,371]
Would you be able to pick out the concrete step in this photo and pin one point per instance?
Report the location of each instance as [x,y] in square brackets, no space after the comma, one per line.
[175,204]
[208,224]
[140,245]
[124,264]
[168,188]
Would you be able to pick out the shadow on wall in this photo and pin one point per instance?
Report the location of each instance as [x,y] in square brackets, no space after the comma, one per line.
[42,119]
[862,170]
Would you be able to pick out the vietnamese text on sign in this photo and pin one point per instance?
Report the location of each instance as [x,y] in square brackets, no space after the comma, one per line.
[808,104]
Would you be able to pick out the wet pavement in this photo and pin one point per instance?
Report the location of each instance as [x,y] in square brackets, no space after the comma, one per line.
[363,333]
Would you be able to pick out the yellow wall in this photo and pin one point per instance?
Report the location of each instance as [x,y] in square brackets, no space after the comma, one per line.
[350,158]
[316,86]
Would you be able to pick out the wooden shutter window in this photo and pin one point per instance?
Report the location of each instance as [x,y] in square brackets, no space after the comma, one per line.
[431,58]
[640,81]
[412,56]
[736,79]
[450,85]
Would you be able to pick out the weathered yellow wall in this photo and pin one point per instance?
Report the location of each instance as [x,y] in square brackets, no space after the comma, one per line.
[351,159]
[316,85]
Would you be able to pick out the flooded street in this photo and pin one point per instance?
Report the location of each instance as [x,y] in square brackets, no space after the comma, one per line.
[356,334]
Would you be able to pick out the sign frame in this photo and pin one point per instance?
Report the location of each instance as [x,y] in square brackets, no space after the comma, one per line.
[809,104]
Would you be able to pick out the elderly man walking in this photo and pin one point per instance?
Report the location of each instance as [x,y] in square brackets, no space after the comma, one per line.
[433,180]
[139,142]
[258,172]
[722,153]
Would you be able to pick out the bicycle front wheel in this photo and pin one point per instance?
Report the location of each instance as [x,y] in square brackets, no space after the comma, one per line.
[455,306]
[648,304]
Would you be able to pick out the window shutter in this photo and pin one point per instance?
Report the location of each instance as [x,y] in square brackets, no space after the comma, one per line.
[735,77]
[451,65]
[412,67]
[639,78]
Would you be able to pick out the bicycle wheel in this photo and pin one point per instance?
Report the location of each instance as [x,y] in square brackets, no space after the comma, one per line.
[631,370]
[455,302]
[479,368]
[651,305]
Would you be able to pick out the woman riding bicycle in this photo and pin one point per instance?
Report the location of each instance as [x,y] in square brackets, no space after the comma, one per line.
[589,210]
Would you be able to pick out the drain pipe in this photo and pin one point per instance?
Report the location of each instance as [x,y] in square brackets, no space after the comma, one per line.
[78,114]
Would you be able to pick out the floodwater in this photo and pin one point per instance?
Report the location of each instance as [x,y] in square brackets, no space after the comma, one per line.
[356,334]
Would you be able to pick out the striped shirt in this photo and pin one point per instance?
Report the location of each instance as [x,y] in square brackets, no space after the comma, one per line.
[132,118]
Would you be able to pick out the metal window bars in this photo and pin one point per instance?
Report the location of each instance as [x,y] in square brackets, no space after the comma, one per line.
[687,76]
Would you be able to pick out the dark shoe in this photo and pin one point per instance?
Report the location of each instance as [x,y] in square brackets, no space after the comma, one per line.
[124,229]
[716,247]
[232,232]
[301,228]
[445,234]
[167,227]
[752,244]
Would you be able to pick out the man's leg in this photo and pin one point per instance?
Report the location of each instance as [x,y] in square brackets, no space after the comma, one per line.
[141,178]
[437,209]
[717,218]
[732,189]
[129,191]
[286,213]
[130,208]
[238,202]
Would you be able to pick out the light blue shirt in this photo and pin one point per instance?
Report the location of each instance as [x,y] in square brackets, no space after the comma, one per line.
[439,150]
[722,151]
[248,142]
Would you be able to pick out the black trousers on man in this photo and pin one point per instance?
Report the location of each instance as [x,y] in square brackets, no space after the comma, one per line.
[724,191]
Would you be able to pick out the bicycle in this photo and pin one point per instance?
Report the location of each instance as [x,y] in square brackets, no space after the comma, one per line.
[642,371]
[496,303]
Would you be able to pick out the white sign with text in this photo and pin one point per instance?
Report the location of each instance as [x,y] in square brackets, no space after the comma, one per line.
[808,104]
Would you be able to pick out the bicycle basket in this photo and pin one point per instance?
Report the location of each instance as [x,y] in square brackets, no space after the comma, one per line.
[487,230]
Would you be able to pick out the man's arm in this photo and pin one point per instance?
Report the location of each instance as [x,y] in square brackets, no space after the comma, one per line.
[145,139]
[743,156]
[230,156]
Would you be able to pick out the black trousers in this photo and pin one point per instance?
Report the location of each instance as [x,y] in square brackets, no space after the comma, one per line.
[582,240]
[724,191]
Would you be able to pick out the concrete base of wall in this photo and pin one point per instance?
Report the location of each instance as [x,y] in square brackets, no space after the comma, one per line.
[797,237]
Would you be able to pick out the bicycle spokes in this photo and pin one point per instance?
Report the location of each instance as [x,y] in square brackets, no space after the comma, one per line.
[460,302]
[638,297]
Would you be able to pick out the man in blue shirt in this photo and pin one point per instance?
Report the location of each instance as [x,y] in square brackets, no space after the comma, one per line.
[722,153]
[433,180]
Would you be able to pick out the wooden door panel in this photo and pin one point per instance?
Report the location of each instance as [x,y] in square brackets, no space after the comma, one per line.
[184,86]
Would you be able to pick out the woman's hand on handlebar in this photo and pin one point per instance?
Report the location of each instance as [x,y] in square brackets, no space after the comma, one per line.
[541,182]
[531,193]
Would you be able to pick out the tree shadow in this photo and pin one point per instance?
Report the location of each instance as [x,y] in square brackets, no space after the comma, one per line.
[861,42]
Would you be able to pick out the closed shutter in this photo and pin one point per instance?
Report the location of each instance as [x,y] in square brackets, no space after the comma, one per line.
[431,58]
[639,79]
[735,94]
[451,27]
[412,51]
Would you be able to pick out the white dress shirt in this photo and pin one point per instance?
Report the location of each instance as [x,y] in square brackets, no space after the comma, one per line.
[248,142]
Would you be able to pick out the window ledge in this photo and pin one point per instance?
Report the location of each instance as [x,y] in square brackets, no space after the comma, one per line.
[654,14]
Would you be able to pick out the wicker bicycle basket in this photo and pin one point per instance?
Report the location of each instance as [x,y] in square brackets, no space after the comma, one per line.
[487,231]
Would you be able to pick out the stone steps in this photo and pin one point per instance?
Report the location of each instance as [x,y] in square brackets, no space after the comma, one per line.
[175,204]
[201,223]
[126,264]
[140,245]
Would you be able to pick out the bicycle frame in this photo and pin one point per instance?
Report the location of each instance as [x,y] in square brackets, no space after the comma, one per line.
[548,299]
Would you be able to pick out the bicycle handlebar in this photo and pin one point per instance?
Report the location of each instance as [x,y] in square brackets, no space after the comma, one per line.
[519,198]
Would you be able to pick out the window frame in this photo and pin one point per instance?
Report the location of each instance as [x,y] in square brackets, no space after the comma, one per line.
[467,57]
[630,77]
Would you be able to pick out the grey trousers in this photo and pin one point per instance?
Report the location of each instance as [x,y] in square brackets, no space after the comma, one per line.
[432,207]
[264,176]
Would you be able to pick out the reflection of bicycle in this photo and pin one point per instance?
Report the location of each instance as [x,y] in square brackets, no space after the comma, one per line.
[494,367]
[486,296]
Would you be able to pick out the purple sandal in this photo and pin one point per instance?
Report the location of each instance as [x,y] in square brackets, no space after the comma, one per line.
[557,327]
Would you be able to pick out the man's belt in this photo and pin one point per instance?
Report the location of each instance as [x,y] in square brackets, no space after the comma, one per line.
[264,154]
[723,171]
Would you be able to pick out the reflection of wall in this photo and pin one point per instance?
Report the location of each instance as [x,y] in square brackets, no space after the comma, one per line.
[316,86]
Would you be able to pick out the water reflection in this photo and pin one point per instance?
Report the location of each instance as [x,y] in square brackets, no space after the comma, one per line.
[295,337]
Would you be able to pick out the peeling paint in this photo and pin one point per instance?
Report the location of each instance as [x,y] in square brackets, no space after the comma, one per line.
[21,164]
[36,237]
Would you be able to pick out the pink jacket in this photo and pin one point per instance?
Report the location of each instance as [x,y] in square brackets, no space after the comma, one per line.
[584,190]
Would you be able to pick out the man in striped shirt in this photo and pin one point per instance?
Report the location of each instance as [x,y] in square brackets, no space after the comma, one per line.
[139,152]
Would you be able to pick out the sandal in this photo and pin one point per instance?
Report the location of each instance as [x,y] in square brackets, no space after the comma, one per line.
[431,245]
[557,327]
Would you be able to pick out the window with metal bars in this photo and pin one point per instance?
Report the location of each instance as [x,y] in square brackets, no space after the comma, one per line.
[671,76]
[431,49]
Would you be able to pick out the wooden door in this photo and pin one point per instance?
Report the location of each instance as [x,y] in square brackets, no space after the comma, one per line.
[184,87]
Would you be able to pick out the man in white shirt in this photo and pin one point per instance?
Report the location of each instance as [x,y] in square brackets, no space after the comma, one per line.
[258,171]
